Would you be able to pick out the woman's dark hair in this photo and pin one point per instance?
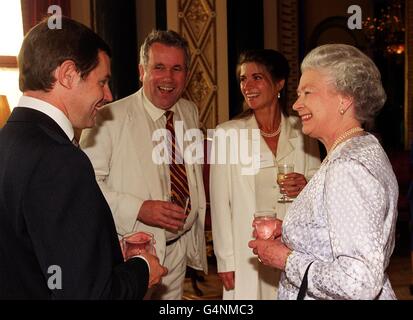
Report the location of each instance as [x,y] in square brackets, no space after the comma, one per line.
[276,65]
[45,48]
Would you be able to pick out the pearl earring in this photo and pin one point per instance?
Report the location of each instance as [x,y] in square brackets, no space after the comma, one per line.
[279,95]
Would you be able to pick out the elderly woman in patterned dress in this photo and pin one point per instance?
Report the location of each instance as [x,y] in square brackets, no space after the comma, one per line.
[341,228]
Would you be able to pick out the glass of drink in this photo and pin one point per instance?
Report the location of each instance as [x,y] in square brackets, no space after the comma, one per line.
[185,202]
[138,242]
[283,169]
[265,224]
[173,199]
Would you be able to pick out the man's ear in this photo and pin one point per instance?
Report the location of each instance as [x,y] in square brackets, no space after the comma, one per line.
[141,72]
[66,74]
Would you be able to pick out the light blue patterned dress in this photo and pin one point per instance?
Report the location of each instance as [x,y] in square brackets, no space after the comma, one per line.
[344,223]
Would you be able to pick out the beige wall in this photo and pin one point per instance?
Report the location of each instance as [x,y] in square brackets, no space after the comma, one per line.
[270,24]
[80,11]
[145,18]
[221,52]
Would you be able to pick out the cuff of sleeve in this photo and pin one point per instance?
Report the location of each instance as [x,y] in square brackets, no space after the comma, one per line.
[225,266]
[295,267]
[143,258]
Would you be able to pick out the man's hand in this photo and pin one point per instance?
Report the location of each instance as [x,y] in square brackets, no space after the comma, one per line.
[228,279]
[163,214]
[157,271]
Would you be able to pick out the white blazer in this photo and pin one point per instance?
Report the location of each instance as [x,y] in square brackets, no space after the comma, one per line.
[233,205]
[120,149]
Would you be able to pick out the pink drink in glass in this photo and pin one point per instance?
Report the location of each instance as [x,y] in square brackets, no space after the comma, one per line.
[265,224]
[139,242]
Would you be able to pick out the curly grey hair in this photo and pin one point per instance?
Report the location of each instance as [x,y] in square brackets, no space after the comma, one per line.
[166,37]
[353,73]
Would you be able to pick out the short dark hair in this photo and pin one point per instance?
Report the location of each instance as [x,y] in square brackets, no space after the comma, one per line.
[44,49]
[274,62]
[166,37]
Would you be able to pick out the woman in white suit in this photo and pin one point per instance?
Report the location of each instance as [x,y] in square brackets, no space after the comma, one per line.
[235,194]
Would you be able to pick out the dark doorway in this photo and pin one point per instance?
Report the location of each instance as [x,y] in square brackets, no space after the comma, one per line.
[245,31]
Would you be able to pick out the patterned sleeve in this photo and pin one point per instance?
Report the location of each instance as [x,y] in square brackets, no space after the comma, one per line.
[355,206]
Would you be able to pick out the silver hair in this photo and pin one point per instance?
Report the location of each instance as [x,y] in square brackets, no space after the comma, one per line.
[353,74]
[166,37]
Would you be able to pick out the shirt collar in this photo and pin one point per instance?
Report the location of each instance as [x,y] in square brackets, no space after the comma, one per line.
[56,114]
[154,112]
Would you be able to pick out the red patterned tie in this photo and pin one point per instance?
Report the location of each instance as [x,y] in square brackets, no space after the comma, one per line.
[179,180]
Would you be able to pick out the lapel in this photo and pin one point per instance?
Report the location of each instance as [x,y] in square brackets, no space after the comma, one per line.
[138,129]
[251,123]
[287,140]
[42,120]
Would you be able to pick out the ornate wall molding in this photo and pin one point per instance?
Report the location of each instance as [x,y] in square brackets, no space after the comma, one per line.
[288,43]
[197,23]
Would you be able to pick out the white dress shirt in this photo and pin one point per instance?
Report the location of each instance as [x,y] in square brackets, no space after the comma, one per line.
[53,112]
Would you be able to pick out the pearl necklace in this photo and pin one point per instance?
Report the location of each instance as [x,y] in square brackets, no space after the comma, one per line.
[272,134]
[341,138]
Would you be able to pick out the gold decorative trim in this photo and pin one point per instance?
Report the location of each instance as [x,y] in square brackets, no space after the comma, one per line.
[197,23]
[288,43]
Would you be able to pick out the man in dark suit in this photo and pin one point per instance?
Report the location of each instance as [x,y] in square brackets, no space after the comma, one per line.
[57,235]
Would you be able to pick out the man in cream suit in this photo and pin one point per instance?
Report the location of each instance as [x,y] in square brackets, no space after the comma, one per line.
[136,188]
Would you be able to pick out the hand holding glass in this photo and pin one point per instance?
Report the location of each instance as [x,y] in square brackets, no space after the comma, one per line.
[265,224]
[185,205]
[136,243]
[283,169]
[173,199]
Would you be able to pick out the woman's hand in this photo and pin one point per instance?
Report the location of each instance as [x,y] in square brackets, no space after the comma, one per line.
[292,184]
[228,279]
[272,253]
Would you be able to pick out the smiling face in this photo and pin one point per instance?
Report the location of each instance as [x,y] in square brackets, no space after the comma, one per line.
[164,77]
[90,94]
[317,105]
[257,86]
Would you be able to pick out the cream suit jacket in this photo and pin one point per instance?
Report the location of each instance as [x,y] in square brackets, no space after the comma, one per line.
[120,149]
[233,203]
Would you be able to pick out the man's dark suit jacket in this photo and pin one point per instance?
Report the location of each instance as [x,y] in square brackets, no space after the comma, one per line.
[52,213]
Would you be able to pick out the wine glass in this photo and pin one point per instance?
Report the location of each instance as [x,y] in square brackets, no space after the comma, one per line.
[283,169]
[265,224]
[173,199]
